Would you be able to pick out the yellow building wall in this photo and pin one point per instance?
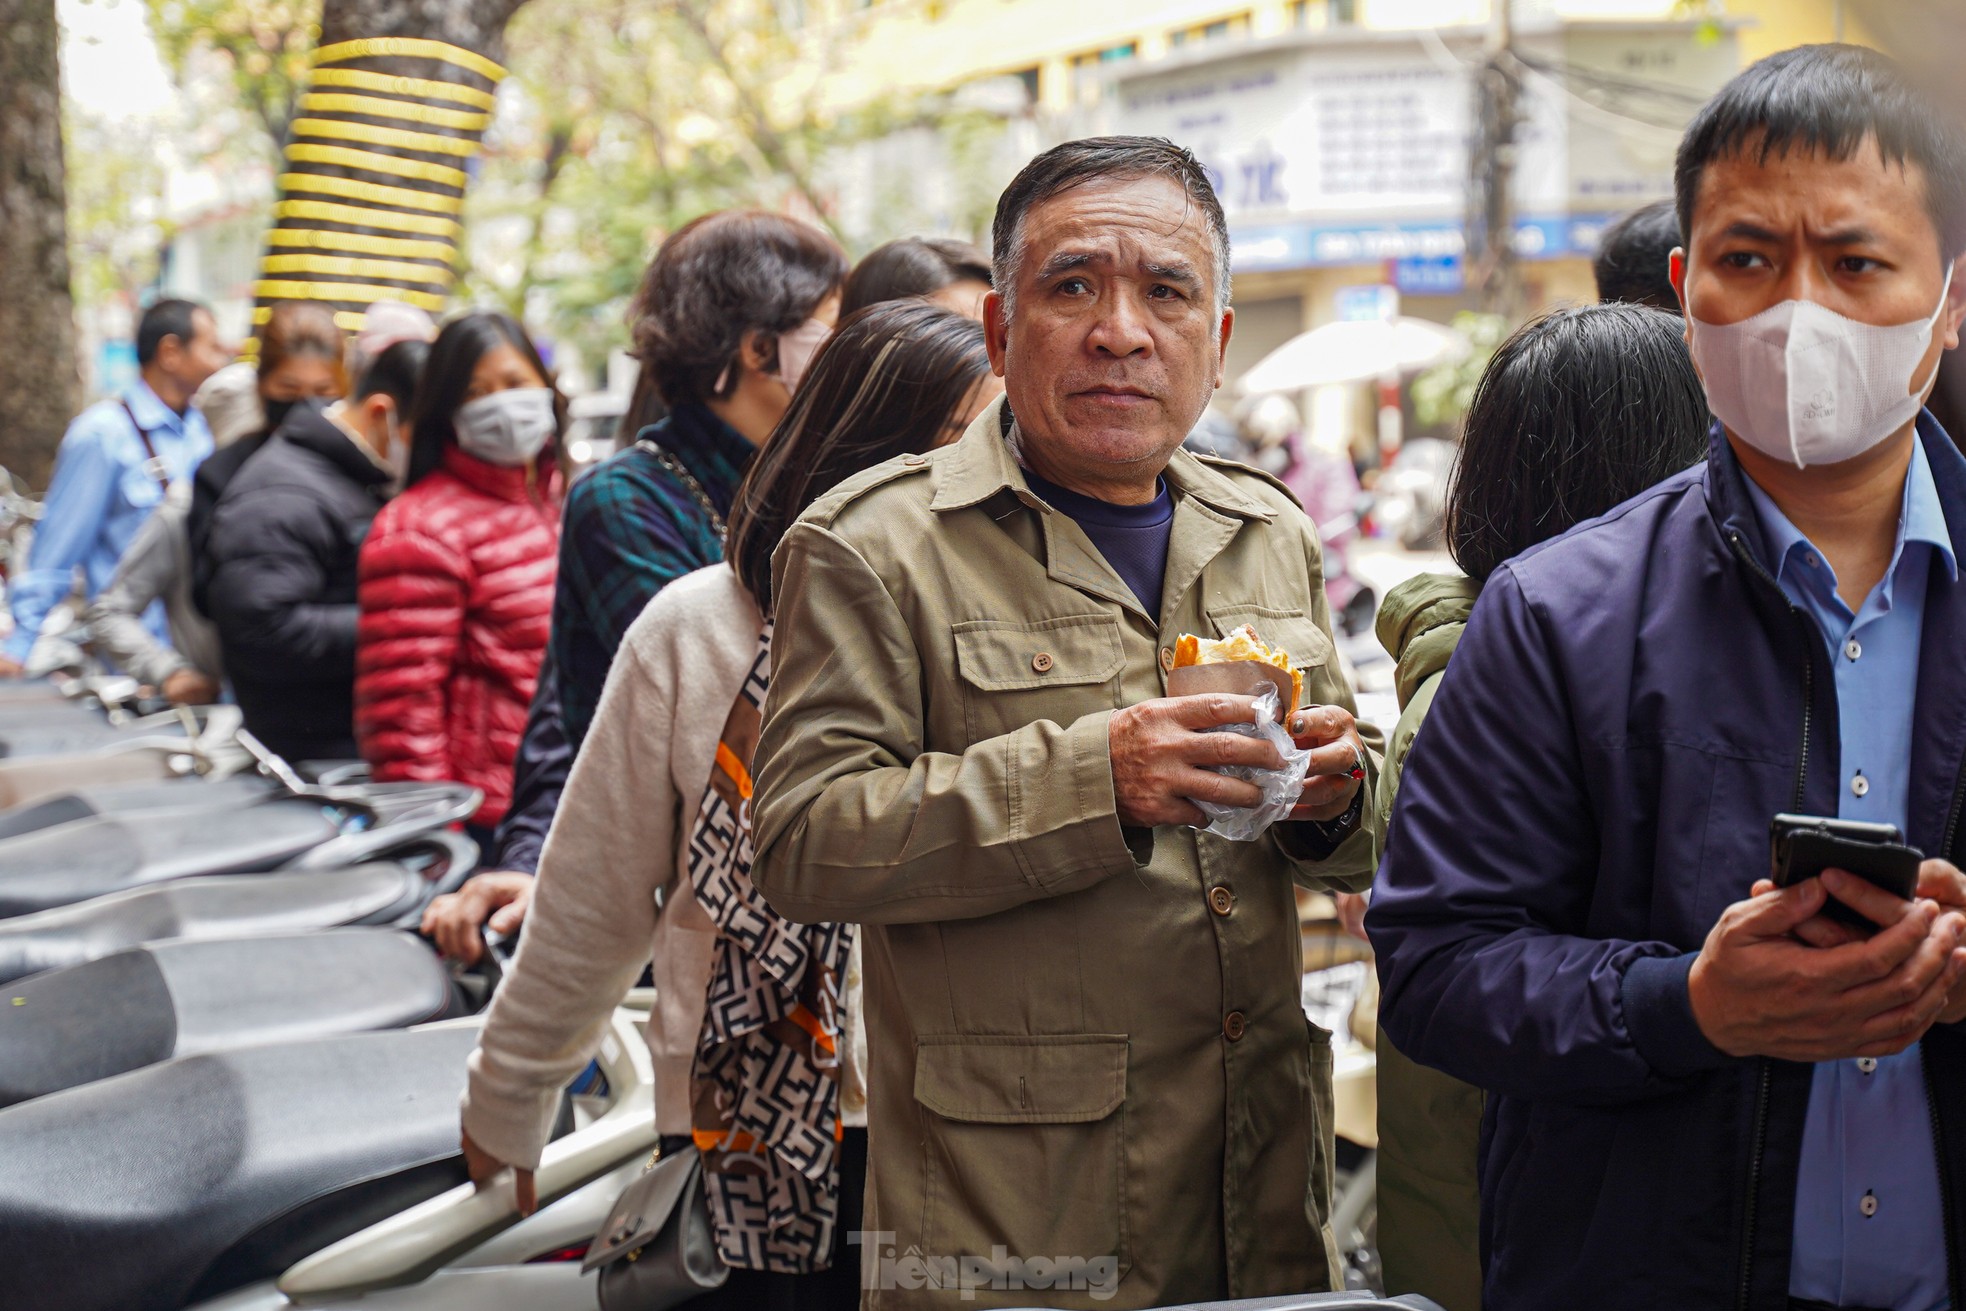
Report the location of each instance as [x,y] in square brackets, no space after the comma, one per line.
[1779,24]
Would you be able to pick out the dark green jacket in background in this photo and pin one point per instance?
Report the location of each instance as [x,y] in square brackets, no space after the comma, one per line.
[1429,1124]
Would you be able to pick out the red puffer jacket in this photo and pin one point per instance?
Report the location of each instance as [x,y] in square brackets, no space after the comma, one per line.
[456,590]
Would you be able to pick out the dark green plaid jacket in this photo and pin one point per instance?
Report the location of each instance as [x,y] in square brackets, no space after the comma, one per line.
[632,528]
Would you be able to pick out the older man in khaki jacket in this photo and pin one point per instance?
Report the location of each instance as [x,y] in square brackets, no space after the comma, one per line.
[1092,1080]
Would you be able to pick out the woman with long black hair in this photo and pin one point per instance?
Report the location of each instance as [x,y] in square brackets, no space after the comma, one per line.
[457,575]
[648,858]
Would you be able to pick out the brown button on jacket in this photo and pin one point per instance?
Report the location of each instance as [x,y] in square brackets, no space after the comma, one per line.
[1084,1080]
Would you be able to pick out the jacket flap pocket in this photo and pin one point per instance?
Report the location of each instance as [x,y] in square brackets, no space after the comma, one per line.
[999,656]
[1072,1078]
[1293,630]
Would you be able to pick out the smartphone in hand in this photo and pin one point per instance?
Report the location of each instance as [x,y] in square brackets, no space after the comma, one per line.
[1803,846]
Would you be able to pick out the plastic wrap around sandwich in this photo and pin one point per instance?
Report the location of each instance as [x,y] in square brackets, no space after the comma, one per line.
[1242,663]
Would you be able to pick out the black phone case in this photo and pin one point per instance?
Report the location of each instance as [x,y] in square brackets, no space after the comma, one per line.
[1803,853]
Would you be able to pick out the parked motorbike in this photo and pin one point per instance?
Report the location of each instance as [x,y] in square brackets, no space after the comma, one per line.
[132,799]
[390,892]
[182,744]
[325,1169]
[318,828]
[145,1005]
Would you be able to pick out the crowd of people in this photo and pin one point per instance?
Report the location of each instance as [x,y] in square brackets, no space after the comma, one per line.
[838,700]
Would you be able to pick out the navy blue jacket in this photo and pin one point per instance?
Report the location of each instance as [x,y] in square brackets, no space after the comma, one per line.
[1630,705]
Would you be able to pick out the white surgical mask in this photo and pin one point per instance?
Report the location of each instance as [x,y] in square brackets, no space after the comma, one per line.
[796,349]
[396,447]
[507,427]
[1801,382]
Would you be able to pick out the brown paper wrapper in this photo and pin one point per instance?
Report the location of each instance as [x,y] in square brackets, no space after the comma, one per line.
[1238,678]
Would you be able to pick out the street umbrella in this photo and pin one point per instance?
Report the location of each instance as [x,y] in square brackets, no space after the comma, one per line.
[1354,351]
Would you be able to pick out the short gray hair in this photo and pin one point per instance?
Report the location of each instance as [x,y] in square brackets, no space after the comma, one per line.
[1092,159]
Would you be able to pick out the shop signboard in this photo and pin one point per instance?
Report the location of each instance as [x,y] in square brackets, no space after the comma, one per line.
[1354,149]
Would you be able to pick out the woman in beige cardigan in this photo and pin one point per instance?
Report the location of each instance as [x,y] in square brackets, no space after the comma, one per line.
[649,851]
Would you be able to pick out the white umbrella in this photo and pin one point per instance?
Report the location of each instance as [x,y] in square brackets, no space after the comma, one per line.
[1354,351]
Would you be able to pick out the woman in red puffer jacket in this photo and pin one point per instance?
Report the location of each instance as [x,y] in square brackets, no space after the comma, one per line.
[456,577]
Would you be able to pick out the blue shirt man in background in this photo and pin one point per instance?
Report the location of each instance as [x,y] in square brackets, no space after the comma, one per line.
[114,464]
[1703,1091]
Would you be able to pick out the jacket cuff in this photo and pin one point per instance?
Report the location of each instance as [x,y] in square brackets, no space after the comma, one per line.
[1078,839]
[516,852]
[512,1125]
[1659,1016]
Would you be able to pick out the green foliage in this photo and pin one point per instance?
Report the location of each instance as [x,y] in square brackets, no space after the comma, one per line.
[624,119]
[115,185]
[1442,394]
[261,46]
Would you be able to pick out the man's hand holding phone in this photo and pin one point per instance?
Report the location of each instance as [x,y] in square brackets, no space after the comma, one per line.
[1939,881]
[1758,989]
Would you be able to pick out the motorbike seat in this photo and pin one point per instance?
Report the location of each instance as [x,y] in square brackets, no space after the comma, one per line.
[132,798]
[177,1183]
[150,1004]
[73,729]
[110,853]
[228,906]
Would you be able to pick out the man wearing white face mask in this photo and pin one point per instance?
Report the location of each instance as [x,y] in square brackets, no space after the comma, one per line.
[1574,910]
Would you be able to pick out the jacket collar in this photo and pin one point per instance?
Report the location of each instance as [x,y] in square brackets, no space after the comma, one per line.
[1420,624]
[981,465]
[151,413]
[715,453]
[1734,508]
[309,428]
[507,482]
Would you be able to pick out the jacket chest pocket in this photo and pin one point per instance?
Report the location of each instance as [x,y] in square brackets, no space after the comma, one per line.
[1015,674]
[1025,1149]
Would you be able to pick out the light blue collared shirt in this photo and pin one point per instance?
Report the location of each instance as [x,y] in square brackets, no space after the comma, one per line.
[100,495]
[1869,1221]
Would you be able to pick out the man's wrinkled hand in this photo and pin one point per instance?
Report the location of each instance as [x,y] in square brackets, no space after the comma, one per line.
[497,900]
[11,668]
[1164,758]
[1756,989]
[1330,734]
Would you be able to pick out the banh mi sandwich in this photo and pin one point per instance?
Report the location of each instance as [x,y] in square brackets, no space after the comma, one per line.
[1242,644]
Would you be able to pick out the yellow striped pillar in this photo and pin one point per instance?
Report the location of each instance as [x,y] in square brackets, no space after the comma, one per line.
[373,179]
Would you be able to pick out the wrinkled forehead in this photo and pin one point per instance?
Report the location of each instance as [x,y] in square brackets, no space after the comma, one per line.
[1122,224]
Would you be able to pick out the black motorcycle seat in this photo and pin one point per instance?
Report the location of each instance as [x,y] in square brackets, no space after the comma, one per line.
[137,1007]
[227,906]
[91,857]
[179,1182]
[131,798]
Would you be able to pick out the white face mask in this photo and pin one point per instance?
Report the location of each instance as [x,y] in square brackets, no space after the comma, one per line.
[796,349]
[396,451]
[507,427]
[1801,382]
